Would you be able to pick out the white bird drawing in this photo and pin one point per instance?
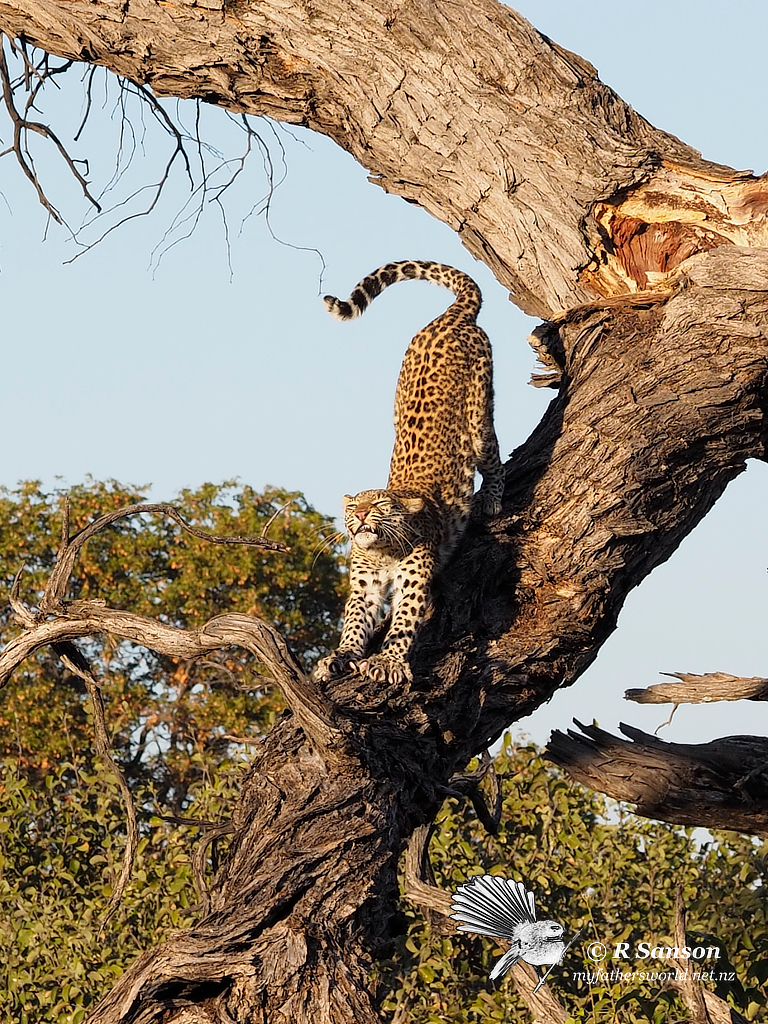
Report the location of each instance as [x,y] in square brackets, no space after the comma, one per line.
[505,909]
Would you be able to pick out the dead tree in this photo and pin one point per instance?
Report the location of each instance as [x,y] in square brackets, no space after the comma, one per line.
[647,264]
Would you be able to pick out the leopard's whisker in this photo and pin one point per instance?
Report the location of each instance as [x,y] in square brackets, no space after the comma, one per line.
[327,542]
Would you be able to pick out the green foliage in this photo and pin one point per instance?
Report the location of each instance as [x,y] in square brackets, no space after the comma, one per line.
[177,726]
[169,720]
[60,850]
[591,867]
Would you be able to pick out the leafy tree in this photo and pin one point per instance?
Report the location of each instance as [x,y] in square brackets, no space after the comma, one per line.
[593,866]
[170,720]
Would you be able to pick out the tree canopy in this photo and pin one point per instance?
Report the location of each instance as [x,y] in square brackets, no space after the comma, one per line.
[171,720]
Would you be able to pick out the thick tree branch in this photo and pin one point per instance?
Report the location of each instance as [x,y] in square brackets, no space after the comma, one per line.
[722,784]
[570,197]
[659,409]
[547,175]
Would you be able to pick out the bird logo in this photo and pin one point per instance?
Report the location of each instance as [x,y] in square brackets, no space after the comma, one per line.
[505,909]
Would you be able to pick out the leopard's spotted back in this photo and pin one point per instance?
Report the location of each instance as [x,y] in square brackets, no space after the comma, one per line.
[444,401]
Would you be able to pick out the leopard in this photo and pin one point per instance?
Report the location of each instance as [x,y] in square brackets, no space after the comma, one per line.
[403,535]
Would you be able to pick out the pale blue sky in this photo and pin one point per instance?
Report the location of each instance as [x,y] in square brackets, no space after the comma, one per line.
[182,373]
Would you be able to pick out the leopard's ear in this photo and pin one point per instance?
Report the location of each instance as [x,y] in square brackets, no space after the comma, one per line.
[413,504]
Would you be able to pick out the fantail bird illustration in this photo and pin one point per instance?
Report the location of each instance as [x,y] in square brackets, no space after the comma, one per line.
[504,909]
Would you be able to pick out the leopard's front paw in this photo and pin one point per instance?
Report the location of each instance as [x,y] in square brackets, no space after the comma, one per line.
[383,668]
[332,667]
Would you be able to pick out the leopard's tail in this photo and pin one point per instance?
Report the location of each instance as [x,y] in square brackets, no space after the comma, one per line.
[468,297]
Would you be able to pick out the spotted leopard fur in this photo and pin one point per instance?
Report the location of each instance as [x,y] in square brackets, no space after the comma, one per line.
[401,536]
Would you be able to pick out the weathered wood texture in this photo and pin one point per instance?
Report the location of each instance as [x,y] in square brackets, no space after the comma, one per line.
[545,173]
[661,402]
[701,689]
[721,784]
[568,195]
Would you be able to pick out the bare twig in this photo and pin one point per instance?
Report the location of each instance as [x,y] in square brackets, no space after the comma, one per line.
[70,546]
[467,785]
[22,126]
[72,658]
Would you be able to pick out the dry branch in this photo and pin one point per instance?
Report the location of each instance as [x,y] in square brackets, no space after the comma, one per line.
[722,784]
[59,623]
[547,175]
[701,689]
[704,1007]
[691,990]
[70,546]
[78,619]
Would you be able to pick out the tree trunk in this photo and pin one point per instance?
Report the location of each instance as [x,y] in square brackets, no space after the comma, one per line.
[660,355]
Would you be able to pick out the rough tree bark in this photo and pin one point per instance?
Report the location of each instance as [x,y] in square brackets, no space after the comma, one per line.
[648,264]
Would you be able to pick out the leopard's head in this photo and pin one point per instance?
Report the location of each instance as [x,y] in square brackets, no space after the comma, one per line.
[384,521]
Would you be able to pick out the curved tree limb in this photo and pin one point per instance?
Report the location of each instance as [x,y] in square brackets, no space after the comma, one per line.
[70,546]
[571,198]
[545,173]
[79,619]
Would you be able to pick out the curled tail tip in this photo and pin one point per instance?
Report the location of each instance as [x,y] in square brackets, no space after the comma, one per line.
[341,310]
